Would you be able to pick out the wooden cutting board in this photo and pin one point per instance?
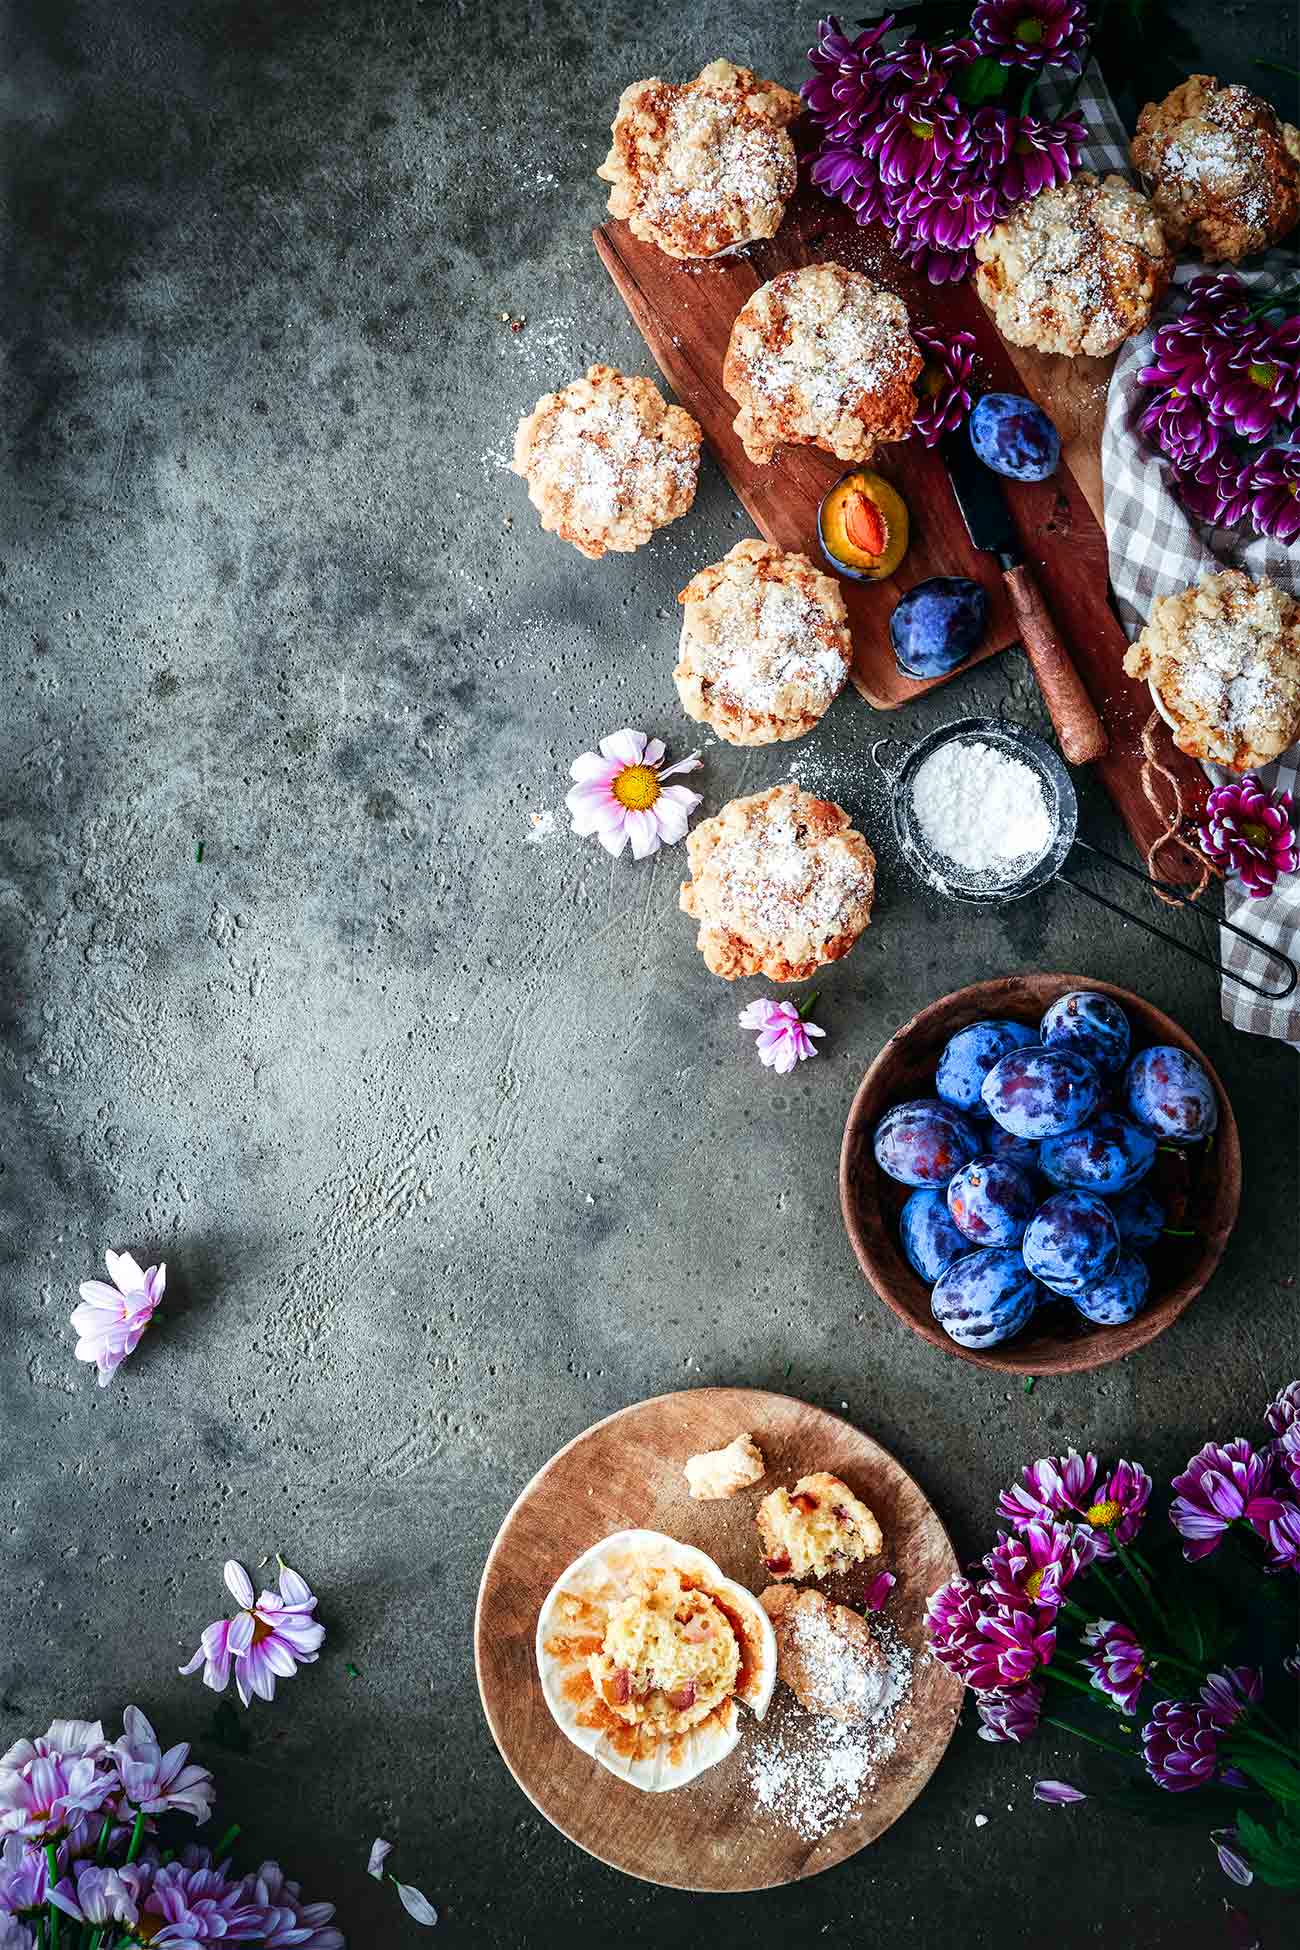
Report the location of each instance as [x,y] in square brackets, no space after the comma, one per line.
[685,314]
[626,1472]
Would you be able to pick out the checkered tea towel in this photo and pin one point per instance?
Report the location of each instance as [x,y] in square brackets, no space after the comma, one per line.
[1155,549]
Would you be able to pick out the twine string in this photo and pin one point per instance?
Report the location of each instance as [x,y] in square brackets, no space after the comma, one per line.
[1173,819]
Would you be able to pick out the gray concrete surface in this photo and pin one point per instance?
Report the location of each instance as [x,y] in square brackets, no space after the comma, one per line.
[450,1142]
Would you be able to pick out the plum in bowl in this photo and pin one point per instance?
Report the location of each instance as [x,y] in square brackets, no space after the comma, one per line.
[1197,1185]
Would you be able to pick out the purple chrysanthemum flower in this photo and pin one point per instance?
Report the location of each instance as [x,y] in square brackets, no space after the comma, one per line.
[158,1782]
[195,1902]
[96,1893]
[15,1935]
[1218,491]
[1180,1744]
[945,383]
[1249,831]
[1224,1483]
[1283,1539]
[1180,356]
[945,215]
[1012,1646]
[1032,33]
[111,1319]
[1227,1846]
[42,1793]
[1220,299]
[923,136]
[268,1639]
[1019,155]
[1253,382]
[24,1875]
[1230,1694]
[1012,1714]
[1275,506]
[1180,424]
[1036,1564]
[842,85]
[1117,1663]
[1067,1486]
[1283,1412]
[785,1033]
[288,1921]
[952,1619]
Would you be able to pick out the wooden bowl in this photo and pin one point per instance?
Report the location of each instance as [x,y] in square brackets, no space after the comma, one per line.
[1058,1340]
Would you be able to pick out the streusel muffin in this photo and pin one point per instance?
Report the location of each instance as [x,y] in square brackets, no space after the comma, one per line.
[782,884]
[1224,171]
[1223,658]
[822,357]
[826,1654]
[817,1529]
[765,645]
[607,461]
[1075,269]
[702,167]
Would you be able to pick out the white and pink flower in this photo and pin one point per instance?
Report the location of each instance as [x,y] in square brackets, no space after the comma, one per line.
[620,795]
[111,1319]
[783,1032]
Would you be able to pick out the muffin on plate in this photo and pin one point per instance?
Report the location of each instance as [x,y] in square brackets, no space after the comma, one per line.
[704,167]
[765,645]
[781,885]
[817,1529]
[1224,171]
[607,461]
[1223,662]
[1077,269]
[822,357]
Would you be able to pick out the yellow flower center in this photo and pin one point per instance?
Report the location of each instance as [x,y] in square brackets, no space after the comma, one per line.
[1021,145]
[1254,829]
[1034,1584]
[261,1630]
[923,131]
[1030,31]
[637,787]
[932,381]
[1102,1515]
[1262,375]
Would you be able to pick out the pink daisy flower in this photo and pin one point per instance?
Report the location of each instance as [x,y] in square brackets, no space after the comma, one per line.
[267,1639]
[620,794]
[111,1319]
[784,1033]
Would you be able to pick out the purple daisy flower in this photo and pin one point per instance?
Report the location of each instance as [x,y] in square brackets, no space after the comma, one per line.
[1253,381]
[1219,490]
[24,1875]
[195,1902]
[784,1032]
[1067,1486]
[1275,506]
[1219,298]
[1283,1412]
[1180,1745]
[842,83]
[158,1782]
[1224,1483]
[287,1920]
[1283,1539]
[923,137]
[1036,1564]
[1116,1662]
[42,1795]
[111,1319]
[945,383]
[1180,425]
[1032,33]
[1012,1646]
[952,1620]
[1249,831]
[1019,155]
[268,1639]
[1012,1714]
[96,1893]
[1230,1694]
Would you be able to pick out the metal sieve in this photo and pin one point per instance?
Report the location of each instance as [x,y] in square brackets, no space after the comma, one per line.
[995,887]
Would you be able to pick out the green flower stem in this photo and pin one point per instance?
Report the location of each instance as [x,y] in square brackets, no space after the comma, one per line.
[137,1836]
[1247,1735]
[1109,1746]
[1278,67]
[52,1863]
[804,1008]
[1273,301]
[101,1847]
[1068,1679]
[1145,1586]
[1113,1592]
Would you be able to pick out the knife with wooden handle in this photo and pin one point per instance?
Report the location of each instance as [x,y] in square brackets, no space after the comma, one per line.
[988,522]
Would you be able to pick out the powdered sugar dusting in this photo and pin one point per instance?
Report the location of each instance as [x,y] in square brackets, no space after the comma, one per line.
[980,808]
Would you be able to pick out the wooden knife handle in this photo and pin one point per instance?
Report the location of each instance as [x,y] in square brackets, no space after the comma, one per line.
[1080,730]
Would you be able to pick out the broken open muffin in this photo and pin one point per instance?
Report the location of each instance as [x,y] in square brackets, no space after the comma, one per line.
[817,1529]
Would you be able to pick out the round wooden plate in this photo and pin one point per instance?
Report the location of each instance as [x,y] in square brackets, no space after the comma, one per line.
[627,1472]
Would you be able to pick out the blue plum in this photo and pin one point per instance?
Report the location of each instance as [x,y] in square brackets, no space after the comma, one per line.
[1091,1024]
[992,1200]
[1071,1242]
[1005,1144]
[930,1239]
[970,1055]
[1041,1093]
[1123,1293]
[937,625]
[1110,1154]
[1168,1090]
[1140,1216]
[984,1297]
[924,1142]
[1014,437]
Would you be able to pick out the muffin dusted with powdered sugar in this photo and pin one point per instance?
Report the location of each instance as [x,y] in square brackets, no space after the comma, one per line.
[607,461]
[822,357]
[765,645]
[1223,659]
[1224,171]
[782,884]
[1075,269]
[703,167]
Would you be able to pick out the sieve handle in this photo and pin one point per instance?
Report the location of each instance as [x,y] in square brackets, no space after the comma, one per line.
[892,772]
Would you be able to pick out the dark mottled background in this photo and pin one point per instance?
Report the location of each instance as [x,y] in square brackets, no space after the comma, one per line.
[451,1144]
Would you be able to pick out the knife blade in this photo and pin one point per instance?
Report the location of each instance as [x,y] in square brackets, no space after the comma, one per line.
[983,507]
